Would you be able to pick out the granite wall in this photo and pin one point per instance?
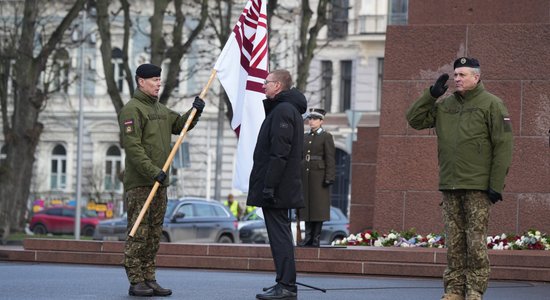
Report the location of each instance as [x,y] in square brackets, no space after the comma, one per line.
[511,39]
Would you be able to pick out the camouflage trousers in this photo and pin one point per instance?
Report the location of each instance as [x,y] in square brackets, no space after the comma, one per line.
[140,250]
[466,217]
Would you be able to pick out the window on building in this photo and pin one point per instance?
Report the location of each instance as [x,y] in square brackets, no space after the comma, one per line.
[326,84]
[373,17]
[399,12]
[113,167]
[345,84]
[338,22]
[58,174]
[380,81]
[118,68]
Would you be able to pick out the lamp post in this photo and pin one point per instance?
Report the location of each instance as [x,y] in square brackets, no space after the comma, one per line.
[80,128]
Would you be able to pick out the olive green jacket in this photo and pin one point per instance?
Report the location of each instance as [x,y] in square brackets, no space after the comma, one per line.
[146,127]
[474,135]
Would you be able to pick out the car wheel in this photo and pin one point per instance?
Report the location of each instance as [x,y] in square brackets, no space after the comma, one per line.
[40,229]
[88,231]
[224,239]
[164,238]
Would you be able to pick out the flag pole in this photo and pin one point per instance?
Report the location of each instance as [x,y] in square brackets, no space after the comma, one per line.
[171,156]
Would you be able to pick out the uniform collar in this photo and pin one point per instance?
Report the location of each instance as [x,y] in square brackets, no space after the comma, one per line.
[318,131]
[142,97]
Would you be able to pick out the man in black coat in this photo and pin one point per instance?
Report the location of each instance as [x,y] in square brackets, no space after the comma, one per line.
[275,180]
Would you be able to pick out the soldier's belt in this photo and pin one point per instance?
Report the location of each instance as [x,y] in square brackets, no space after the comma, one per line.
[313,157]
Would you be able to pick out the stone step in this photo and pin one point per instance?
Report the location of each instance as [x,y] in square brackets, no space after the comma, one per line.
[529,265]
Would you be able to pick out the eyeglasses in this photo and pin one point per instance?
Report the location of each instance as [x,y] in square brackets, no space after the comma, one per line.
[268,81]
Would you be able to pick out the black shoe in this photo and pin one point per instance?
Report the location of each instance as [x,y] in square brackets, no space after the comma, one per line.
[140,289]
[279,293]
[157,289]
[305,242]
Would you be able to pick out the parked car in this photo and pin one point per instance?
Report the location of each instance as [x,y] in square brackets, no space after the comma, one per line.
[60,220]
[252,227]
[186,220]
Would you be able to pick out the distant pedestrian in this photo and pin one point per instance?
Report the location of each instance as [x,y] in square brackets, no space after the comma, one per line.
[233,206]
[474,138]
[146,126]
[318,175]
[275,180]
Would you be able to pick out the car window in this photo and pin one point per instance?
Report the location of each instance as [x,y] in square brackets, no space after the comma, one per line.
[186,209]
[219,211]
[55,211]
[204,210]
[334,215]
[68,213]
[89,213]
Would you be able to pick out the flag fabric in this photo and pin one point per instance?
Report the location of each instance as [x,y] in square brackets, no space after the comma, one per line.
[242,67]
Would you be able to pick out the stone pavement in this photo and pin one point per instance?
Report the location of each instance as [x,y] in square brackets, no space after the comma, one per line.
[23,280]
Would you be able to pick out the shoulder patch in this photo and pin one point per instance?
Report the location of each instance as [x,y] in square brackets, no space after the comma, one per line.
[129,126]
[283,125]
[507,124]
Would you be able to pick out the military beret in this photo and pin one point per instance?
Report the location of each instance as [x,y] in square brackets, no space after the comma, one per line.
[148,71]
[316,113]
[466,62]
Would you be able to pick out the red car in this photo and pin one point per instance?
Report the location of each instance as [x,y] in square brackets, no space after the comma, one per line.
[60,220]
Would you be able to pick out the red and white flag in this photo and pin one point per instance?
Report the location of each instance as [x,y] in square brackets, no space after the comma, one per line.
[242,68]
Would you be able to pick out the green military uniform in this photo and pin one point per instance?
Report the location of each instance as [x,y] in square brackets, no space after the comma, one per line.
[474,150]
[146,127]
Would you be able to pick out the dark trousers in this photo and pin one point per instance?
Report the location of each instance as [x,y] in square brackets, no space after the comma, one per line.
[277,223]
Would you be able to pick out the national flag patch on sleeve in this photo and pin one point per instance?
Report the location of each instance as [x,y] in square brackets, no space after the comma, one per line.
[129,126]
[507,124]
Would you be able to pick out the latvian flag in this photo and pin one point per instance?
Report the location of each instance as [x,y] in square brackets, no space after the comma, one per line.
[242,68]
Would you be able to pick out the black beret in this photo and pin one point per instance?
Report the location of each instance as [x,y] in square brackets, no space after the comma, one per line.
[466,62]
[148,71]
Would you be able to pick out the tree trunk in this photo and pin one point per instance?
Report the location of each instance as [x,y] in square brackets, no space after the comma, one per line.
[23,135]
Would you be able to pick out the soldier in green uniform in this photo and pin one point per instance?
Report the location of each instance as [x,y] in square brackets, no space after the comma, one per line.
[318,175]
[474,136]
[146,126]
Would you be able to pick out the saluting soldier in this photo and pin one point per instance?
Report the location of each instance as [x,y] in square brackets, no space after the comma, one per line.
[317,177]
[474,141]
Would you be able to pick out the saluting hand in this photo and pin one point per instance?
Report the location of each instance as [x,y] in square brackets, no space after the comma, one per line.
[439,88]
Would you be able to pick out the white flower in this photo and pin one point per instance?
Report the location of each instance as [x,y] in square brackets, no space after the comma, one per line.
[377,243]
[368,236]
[392,236]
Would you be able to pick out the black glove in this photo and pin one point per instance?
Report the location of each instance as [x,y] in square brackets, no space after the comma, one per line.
[439,88]
[328,183]
[269,195]
[160,177]
[494,196]
[198,104]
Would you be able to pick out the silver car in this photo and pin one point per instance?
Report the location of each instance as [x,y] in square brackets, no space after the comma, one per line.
[252,228]
[190,220]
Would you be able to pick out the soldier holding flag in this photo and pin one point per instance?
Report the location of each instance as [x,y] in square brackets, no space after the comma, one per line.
[146,126]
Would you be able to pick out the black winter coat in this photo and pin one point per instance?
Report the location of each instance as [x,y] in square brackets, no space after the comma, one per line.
[278,152]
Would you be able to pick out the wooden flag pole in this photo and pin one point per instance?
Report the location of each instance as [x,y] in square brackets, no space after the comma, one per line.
[171,156]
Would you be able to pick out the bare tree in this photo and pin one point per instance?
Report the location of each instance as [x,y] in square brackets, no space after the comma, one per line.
[164,46]
[28,55]
[308,39]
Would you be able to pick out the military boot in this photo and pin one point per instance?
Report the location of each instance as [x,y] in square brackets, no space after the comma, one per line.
[307,240]
[473,295]
[157,289]
[140,289]
[316,234]
[447,296]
